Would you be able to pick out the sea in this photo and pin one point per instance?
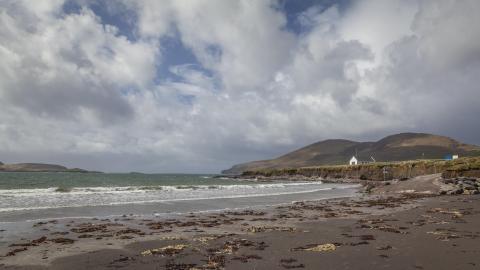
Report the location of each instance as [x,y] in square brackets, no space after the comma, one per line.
[26,198]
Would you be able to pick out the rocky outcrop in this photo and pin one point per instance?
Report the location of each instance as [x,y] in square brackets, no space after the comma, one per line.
[461,185]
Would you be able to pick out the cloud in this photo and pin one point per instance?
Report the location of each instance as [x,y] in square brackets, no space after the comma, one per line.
[65,66]
[79,88]
[429,77]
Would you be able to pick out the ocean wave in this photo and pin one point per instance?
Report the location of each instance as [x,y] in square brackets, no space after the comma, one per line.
[207,197]
[143,189]
[63,189]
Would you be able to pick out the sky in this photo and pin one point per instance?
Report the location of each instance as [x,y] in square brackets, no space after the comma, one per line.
[199,85]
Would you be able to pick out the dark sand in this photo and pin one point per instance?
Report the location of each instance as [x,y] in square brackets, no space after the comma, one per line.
[371,232]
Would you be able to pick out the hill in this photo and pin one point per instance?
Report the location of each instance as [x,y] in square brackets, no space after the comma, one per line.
[398,147]
[36,167]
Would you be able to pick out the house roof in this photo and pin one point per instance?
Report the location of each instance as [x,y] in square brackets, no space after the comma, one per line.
[362,158]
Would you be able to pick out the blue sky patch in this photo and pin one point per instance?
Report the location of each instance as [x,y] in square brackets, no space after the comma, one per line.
[294,8]
[110,13]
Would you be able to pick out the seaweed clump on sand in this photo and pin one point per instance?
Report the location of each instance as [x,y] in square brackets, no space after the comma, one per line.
[165,251]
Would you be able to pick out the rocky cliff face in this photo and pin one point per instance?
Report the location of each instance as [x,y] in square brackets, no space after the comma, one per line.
[399,147]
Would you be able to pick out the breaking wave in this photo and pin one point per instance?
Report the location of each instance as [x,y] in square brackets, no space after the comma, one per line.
[144,189]
[61,197]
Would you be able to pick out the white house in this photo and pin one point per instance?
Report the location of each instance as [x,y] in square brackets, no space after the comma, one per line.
[356,161]
[454,156]
[353,161]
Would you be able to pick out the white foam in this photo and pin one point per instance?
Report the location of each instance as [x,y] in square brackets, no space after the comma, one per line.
[141,189]
[50,198]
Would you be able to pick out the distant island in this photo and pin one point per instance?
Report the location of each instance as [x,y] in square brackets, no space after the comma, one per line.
[398,147]
[39,167]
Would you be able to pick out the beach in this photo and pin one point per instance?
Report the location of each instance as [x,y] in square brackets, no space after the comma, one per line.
[383,230]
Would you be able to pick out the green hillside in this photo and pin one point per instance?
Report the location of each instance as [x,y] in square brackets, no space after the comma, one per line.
[399,147]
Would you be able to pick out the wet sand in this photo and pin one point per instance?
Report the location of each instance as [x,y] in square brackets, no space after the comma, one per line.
[402,231]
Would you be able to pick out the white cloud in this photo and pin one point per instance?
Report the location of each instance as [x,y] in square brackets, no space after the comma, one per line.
[74,90]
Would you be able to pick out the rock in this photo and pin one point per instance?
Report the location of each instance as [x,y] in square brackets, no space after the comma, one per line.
[469,188]
[470,192]
[469,182]
[455,191]
[449,181]
[368,188]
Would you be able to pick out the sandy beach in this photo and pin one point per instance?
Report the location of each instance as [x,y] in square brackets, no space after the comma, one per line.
[379,231]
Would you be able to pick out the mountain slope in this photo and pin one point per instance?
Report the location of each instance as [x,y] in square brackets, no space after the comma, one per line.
[403,146]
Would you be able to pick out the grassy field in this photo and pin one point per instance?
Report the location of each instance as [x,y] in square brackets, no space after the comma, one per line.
[467,166]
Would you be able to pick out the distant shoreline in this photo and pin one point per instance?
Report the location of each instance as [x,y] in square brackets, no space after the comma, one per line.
[40,167]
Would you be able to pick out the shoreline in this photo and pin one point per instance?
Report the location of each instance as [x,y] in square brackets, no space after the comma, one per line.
[303,235]
[376,171]
[178,206]
[173,214]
